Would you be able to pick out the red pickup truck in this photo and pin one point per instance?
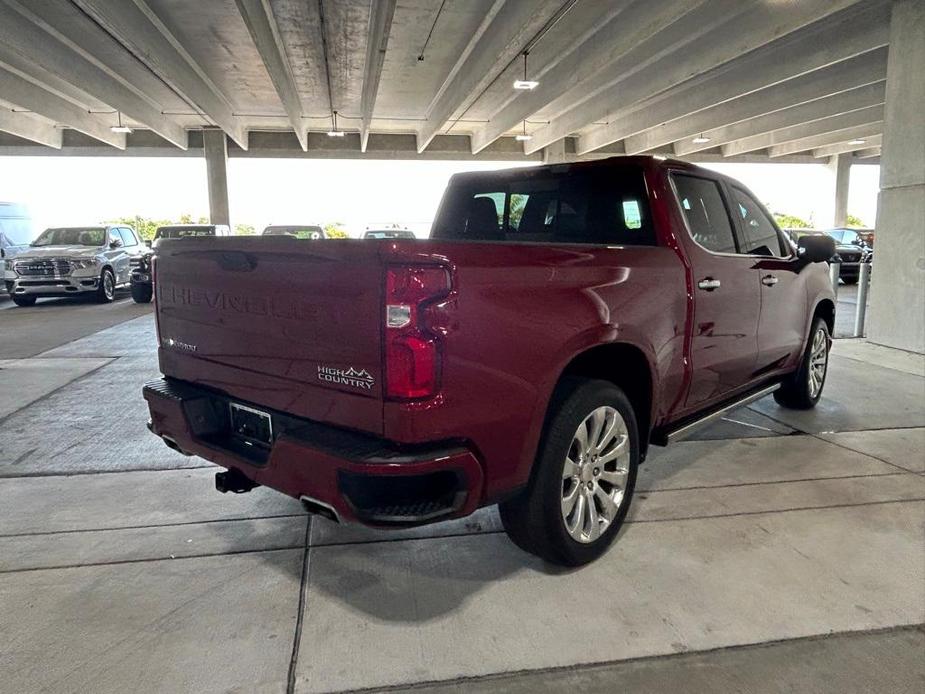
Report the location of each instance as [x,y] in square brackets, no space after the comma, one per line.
[558,321]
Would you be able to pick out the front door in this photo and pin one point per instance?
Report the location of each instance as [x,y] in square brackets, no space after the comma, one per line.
[726,296]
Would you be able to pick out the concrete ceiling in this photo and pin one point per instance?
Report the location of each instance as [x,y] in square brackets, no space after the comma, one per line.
[755,78]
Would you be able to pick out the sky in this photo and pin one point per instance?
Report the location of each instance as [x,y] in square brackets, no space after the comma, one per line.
[357,194]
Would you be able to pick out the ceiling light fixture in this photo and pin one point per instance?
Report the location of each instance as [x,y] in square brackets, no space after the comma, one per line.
[523,137]
[120,128]
[525,84]
[334,132]
[700,140]
[856,141]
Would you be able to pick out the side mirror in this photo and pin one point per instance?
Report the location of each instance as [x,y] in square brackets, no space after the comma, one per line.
[815,249]
[115,244]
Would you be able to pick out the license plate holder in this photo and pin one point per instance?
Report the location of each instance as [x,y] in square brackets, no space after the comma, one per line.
[251,425]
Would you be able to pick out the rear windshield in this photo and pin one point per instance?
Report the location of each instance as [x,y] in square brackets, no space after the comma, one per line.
[71,237]
[304,232]
[182,232]
[606,205]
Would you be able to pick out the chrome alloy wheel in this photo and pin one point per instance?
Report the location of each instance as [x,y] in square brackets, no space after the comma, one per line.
[109,285]
[594,474]
[818,362]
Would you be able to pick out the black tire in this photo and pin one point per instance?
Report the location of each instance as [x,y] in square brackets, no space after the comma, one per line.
[142,292]
[798,392]
[534,519]
[106,292]
[853,279]
[24,300]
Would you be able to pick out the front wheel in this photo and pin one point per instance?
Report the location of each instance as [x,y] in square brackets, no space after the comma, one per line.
[142,292]
[24,300]
[584,475]
[804,388]
[106,292]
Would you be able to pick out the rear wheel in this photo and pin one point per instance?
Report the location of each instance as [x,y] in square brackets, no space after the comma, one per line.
[142,292]
[24,300]
[106,292]
[804,388]
[583,479]
[852,279]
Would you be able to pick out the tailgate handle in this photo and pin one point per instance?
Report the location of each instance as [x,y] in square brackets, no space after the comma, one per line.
[236,261]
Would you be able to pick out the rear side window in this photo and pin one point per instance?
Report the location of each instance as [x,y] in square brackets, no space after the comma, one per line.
[607,206]
[761,238]
[706,214]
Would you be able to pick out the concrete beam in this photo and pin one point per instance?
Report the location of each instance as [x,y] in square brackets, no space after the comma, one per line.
[377,41]
[753,134]
[215,148]
[828,151]
[30,127]
[17,90]
[844,38]
[136,26]
[508,27]
[261,23]
[605,49]
[833,137]
[823,126]
[66,49]
[868,153]
[824,82]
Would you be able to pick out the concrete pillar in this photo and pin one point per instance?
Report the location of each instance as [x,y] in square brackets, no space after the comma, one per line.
[897,307]
[841,167]
[216,150]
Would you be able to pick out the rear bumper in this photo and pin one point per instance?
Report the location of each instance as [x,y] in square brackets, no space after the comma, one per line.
[361,478]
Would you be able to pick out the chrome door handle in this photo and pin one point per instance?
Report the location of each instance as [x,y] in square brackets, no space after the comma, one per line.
[709,284]
[769,280]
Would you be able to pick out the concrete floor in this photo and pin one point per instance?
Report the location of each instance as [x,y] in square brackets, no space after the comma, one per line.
[121,569]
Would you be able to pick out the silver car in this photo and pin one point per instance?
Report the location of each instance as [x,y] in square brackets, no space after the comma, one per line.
[74,260]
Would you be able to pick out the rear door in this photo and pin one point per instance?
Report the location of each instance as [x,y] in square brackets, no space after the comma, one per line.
[725,294]
[783,296]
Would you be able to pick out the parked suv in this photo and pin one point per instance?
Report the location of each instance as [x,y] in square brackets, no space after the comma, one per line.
[69,261]
[558,321]
[852,252]
[142,286]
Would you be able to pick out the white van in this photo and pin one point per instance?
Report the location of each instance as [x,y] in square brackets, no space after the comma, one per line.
[16,230]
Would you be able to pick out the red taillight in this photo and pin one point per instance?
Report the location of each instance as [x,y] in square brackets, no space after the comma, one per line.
[412,351]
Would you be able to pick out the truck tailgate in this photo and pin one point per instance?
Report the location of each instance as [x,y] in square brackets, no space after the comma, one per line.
[287,323]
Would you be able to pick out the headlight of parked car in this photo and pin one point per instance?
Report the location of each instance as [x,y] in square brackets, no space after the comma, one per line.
[83,263]
[8,265]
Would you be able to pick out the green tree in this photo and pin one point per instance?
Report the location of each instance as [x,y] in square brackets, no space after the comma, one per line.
[853,221]
[334,231]
[188,219]
[790,221]
[244,229]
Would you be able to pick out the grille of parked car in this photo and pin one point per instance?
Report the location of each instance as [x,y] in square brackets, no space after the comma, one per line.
[46,267]
[850,257]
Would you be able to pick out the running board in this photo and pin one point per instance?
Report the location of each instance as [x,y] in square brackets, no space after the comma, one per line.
[671,435]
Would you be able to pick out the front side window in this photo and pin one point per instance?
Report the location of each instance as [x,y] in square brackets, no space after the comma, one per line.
[706,214]
[606,206]
[760,235]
